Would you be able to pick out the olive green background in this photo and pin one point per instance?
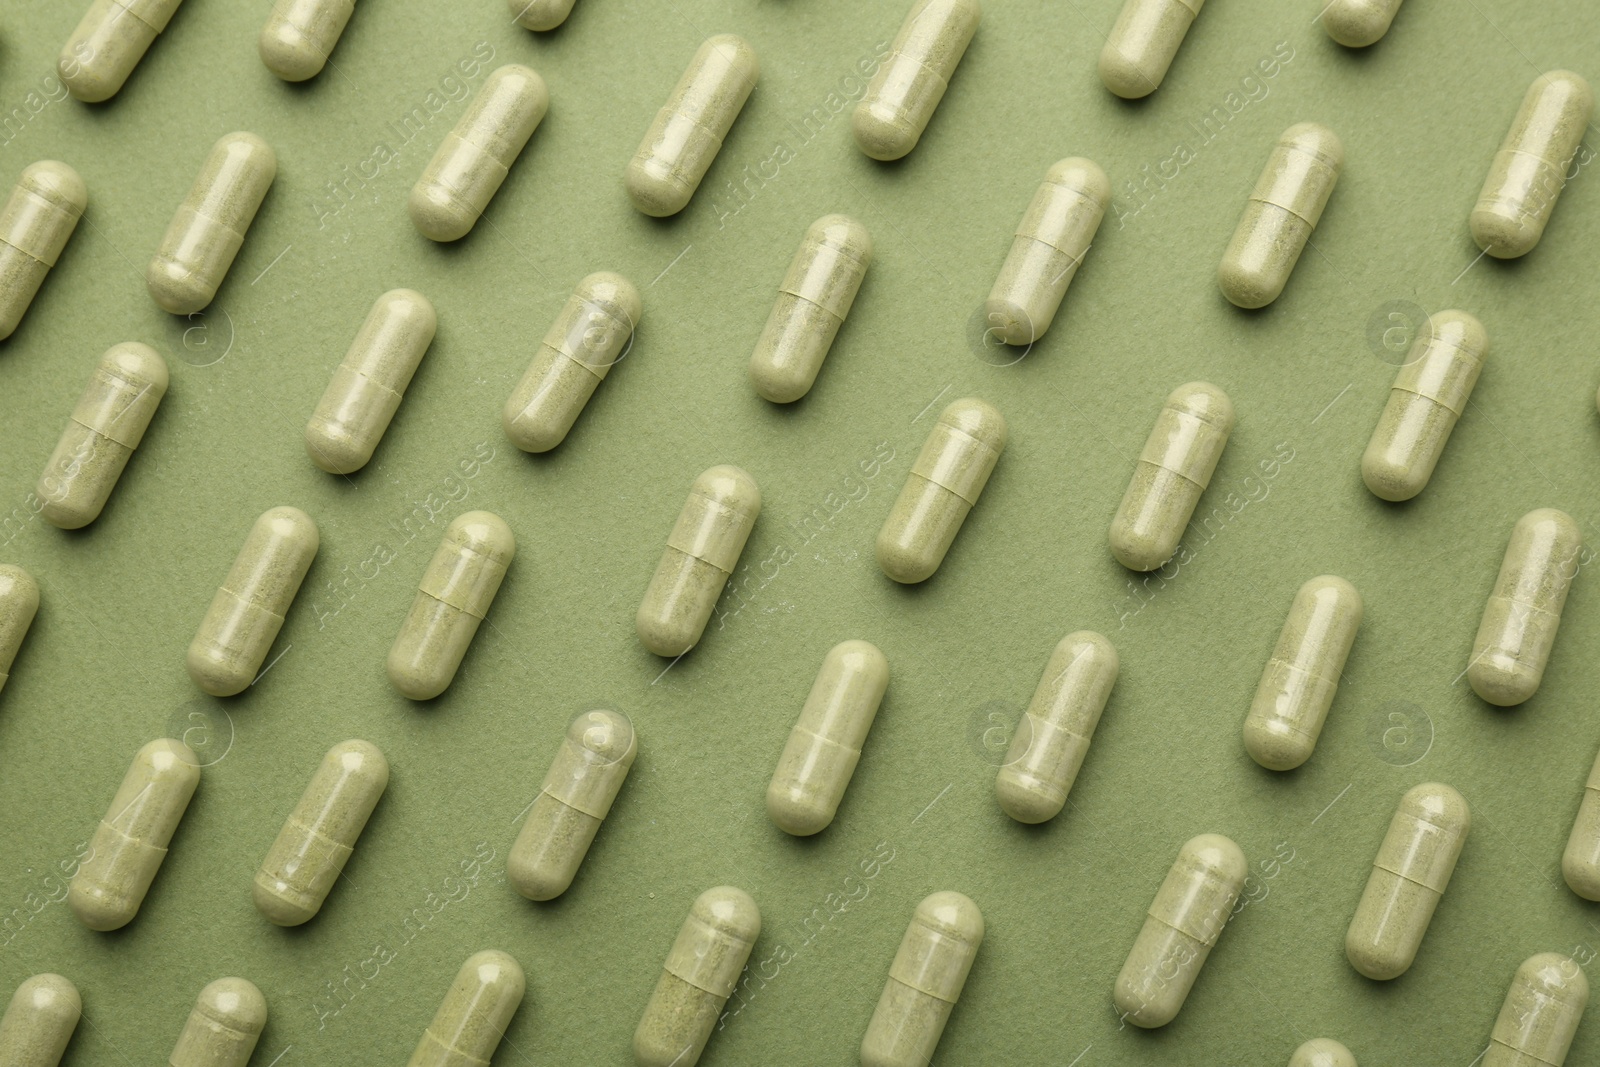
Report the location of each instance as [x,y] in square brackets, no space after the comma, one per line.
[1421,115]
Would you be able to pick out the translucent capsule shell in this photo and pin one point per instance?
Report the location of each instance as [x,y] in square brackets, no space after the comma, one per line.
[1322,1052]
[1540,1015]
[1530,170]
[224,1026]
[1050,244]
[38,218]
[907,88]
[1580,863]
[108,43]
[300,35]
[19,603]
[813,301]
[1520,620]
[1359,23]
[540,14]
[1281,214]
[925,981]
[39,1021]
[1143,44]
[700,973]
[474,1014]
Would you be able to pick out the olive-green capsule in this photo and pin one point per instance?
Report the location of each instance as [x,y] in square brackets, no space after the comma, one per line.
[925,981]
[907,88]
[35,223]
[475,157]
[588,338]
[1322,1052]
[475,1012]
[1520,620]
[300,35]
[702,551]
[1053,736]
[1050,244]
[1300,679]
[1358,23]
[1540,1015]
[453,598]
[1409,876]
[209,227]
[320,834]
[108,43]
[1530,170]
[813,301]
[131,841]
[1429,394]
[687,133]
[1143,43]
[1580,863]
[942,488]
[540,14]
[1173,471]
[700,974]
[577,794]
[222,1030]
[1281,214]
[106,426]
[39,1021]
[19,603]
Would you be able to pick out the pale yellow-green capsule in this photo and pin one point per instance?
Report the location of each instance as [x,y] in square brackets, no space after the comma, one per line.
[540,14]
[208,230]
[320,834]
[1580,863]
[1173,471]
[942,488]
[687,133]
[925,981]
[131,841]
[1050,243]
[813,301]
[1409,876]
[1429,394]
[702,551]
[39,1021]
[1143,43]
[1358,23]
[108,43]
[1520,620]
[588,338]
[906,90]
[1322,1052]
[700,974]
[1540,1015]
[1530,170]
[1281,214]
[19,603]
[35,223]
[474,1015]
[106,426]
[367,387]
[300,35]
[475,157]
[577,794]
[222,1030]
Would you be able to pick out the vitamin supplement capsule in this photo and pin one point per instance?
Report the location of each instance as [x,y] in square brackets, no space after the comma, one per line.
[701,552]
[906,90]
[43,1013]
[1580,863]
[825,744]
[247,612]
[1409,875]
[687,134]
[1192,906]
[1173,471]
[1143,43]
[300,35]
[924,983]
[209,227]
[1282,212]
[476,156]
[19,603]
[113,36]
[1530,170]
[1053,737]
[131,841]
[697,979]
[813,301]
[1358,23]
[943,486]
[1520,620]
[1540,1015]
[224,1026]
[367,387]
[35,223]
[473,1018]
[1300,679]
[107,425]
[540,14]
[1429,394]
[1322,1052]
[320,834]
[576,796]
[587,339]
[1049,246]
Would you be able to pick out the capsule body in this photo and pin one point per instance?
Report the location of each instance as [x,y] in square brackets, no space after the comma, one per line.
[1530,170]
[300,35]
[1173,471]
[1409,875]
[701,552]
[1322,1052]
[19,603]
[1143,43]
[1429,394]
[454,597]
[35,223]
[925,981]
[1282,212]
[577,794]
[687,133]
[1520,620]
[131,841]
[540,14]
[590,335]
[473,1018]
[1580,863]
[907,88]
[1358,23]
[1300,679]
[700,974]
[1050,243]
[39,1021]
[224,1026]
[1540,1015]
[113,36]
[813,301]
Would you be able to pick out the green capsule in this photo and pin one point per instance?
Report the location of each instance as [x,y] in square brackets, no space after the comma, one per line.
[925,981]
[1519,624]
[1281,214]
[1580,863]
[300,34]
[19,603]
[1322,1052]
[700,974]
[1050,245]
[813,301]
[1143,44]
[1358,23]
[39,1021]
[113,36]
[208,230]
[540,14]
[474,1015]
[222,1030]
[907,88]
[1540,1015]
[35,223]
[1530,170]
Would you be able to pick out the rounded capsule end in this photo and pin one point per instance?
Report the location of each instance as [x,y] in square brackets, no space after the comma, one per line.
[1372,961]
[977,418]
[1025,798]
[540,15]
[797,812]
[91,82]
[289,53]
[1204,401]
[1121,74]
[139,362]
[1274,745]
[234,1003]
[844,233]
[1011,321]
[215,671]
[1315,139]
[51,997]
[617,293]
[1322,1052]
[65,515]
[18,590]
[1555,977]
[497,970]
[663,637]
[608,734]
[1216,853]
[1082,175]
[175,288]
[1439,804]
[484,533]
[953,915]
[1249,288]
[903,563]
[1503,680]
[1461,330]
[1389,479]
[99,907]
[882,132]
[410,681]
[56,182]
[333,447]
[279,905]
[438,214]
[1358,23]
[1582,875]
[729,910]
[731,487]
[1504,234]
[654,191]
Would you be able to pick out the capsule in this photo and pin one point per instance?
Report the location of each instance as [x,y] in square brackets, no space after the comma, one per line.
[687,134]
[19,603]
[1540,1015]
[224,1026]
[320,834]
[1429,394]
[1409,876]
[43,1013]
[907,88]
[1322,1052]
[925,981]
[1520,620]
[1051,241]
[35,223]
[453,598]
[476,156]
[300,35]
[1143,44]
[1580,863]
[697,979]
[1282,212]
[577,794]
[813,301]
[113,36]
[588,338]
[1173,471]
[131,841]
[209,227]
[1358,23]
[540,14]
[1300,679]
[473,1018]
[701,553]
[1530,170]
